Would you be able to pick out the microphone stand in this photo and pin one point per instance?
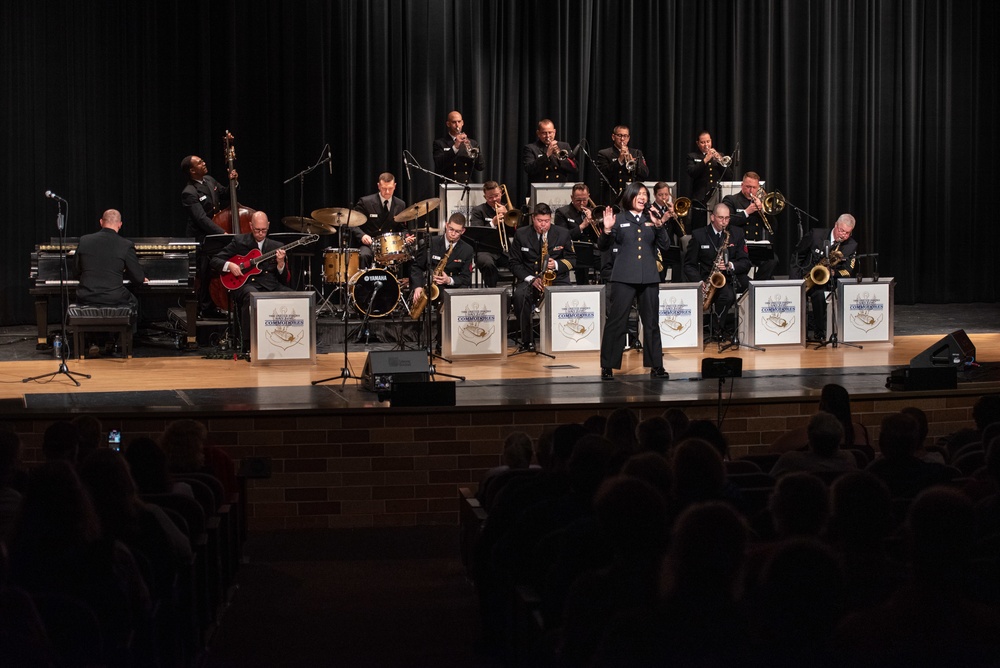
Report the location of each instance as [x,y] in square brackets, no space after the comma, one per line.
[301,177]
[833,340]
[874,257]
[600,173]
[64,302]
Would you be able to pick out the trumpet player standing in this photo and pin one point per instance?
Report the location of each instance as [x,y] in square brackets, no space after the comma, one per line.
[711,250]
[747,212]
[620,163]
[822,246]
[705,167]
[636,235]
[457,155]
[546,159]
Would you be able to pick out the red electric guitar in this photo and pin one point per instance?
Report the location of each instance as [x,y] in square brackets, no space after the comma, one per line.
[248,263]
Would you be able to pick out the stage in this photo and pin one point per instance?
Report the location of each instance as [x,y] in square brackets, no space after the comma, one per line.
[334,455]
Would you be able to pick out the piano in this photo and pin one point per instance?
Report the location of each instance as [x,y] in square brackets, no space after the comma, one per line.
[168,262]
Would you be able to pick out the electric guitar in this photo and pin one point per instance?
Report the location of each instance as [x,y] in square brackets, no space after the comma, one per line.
[248,263]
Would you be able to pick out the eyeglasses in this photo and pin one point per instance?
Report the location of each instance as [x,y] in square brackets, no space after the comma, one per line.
[258,229]
[622,136]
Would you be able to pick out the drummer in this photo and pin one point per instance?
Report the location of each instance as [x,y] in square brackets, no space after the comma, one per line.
[379,210]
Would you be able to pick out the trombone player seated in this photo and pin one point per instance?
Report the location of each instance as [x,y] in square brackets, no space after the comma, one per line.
[503,218]
[578,218]
[749,210]
[822,257]
[717,258]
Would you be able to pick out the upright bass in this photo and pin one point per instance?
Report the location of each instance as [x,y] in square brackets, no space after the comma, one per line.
[235,219]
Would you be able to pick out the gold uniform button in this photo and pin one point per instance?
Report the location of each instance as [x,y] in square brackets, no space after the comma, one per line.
[640,256]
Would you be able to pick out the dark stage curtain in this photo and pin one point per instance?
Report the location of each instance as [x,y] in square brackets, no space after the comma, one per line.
[884,109]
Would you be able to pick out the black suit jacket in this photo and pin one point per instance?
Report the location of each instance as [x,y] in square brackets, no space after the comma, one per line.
[812,249]
[541,167]
[703,176]
[201,201]
[636,244]
[702,250]
[569,217]
[269,279]
[459,265]
[457,165]
[615,172]
[103,260]
[753,225]
[526,252]
[377,222]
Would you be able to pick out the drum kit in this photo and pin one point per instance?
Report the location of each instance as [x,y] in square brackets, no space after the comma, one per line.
[375,292]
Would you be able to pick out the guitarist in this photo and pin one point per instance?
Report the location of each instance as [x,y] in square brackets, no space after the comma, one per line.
[274,273]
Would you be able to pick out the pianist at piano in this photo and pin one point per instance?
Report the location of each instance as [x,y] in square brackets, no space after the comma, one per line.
[101,259]
[744,213]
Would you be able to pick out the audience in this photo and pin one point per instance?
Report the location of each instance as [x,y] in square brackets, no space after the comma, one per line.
[985,412]
[825,433]
[835,400]
[61,442]
[655,435]
[899,467]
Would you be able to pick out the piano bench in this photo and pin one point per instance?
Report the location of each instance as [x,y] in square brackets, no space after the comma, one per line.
[83,319]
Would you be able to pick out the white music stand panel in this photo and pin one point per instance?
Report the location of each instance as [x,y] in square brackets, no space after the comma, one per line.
[772,313]
[680,316]
[727,188]
[283,328]
[571,318]
[865,310]
[556,195]
[452,201]
[474,323]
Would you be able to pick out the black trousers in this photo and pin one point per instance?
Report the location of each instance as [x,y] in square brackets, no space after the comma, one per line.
[620,297]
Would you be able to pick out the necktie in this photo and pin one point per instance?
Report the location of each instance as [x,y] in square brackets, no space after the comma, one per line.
[385,207]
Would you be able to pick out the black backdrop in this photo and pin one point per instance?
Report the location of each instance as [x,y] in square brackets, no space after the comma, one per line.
[884,109]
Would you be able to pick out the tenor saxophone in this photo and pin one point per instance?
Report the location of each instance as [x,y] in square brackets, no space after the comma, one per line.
[716,279]
[432,292]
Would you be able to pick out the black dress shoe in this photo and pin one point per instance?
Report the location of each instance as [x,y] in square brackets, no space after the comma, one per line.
[607,373]
[659,372]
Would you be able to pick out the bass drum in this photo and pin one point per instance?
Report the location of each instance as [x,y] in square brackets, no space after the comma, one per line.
[374,292]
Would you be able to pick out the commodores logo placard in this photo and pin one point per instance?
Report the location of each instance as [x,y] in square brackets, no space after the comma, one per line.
[477,324]
[777,315]
[284,328]
[866,312]
[676,317]
[576,320]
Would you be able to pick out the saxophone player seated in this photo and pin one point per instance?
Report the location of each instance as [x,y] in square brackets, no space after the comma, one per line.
[826,254]
[450,261]
[718,248]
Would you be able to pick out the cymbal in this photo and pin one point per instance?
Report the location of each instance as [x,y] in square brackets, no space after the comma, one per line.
[418,209]
[307,225]
[338,217]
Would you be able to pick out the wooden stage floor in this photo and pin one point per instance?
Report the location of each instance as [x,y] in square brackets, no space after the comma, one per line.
[193,383]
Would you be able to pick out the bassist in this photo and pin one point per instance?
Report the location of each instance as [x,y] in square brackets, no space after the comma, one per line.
[274,273]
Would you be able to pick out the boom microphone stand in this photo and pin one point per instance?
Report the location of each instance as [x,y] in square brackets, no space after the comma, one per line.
[63,295]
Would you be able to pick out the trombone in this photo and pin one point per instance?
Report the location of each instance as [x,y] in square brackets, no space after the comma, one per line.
[682,209]
[511,218]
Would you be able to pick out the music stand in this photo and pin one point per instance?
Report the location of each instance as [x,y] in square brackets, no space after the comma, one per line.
[63,299]
[833,340]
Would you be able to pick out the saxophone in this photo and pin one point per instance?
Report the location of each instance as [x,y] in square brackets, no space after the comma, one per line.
[716,279]
[432,292]
[548,276]
[820,273]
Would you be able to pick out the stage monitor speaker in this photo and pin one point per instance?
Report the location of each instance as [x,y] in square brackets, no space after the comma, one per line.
[384,367]
[927,378]
[953,350]
[722,367]
[422,393]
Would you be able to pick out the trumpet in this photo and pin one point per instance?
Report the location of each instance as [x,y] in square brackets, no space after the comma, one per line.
[626,157]
[561,153]
[473,151]
[724,160]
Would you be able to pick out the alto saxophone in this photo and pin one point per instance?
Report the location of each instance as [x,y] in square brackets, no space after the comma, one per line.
[716,279]
[548,276]
[432,292]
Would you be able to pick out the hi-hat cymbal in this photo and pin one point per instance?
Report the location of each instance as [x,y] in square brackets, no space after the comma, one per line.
[418,209]
[340,216]
[307,225]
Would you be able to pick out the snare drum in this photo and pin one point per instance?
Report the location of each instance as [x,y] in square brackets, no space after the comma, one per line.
[334,261]
[390,248]
[374,292]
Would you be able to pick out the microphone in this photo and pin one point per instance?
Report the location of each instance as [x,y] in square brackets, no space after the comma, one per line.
[329,158]
[576,150]
[378,285]
[52,195]
[407,163]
